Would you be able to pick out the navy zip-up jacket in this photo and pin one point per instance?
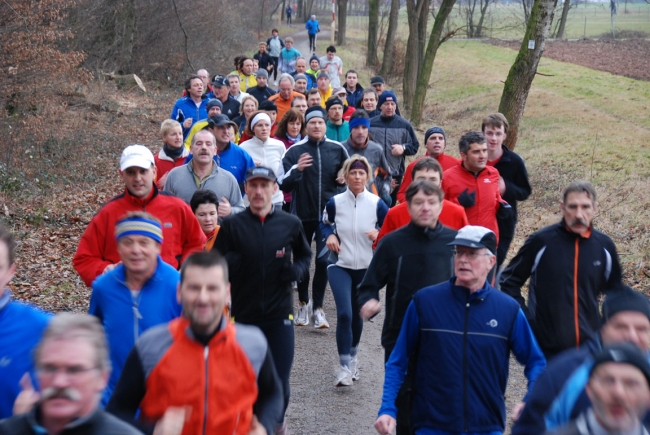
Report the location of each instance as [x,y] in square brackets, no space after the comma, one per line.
[461,343]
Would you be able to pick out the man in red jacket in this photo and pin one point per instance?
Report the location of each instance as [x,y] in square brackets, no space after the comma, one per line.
[452,215]
[475,185]
[97,250]
[435,141]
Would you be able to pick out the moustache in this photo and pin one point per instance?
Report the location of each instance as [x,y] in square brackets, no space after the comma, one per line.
[575,222]
[64,393]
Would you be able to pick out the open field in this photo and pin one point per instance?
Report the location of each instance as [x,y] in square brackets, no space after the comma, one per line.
[506,21]
[579,123]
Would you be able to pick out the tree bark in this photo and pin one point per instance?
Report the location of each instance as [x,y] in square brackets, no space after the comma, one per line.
[563,18]
[343,18]
[373,25]
[523,70]
[387,61]
[435,39]
[418,15]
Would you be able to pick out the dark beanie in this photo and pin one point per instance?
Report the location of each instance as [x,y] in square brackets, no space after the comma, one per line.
[432,130]
[625,299]
[333,102]
[314,57]
[268,105]
[213,102]
[387,96]
[623,353]
[315,112]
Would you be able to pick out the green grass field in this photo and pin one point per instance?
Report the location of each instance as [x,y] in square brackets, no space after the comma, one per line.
[579,124]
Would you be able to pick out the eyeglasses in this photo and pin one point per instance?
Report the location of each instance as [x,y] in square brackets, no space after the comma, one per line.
[71,372]
[471,255]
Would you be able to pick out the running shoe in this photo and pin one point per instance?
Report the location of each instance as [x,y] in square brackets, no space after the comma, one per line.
[343,377]
[320,322]
[302,318]
[354,368]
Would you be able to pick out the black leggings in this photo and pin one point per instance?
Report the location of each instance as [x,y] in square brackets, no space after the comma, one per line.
[280,336]
[312,42]
[274,61]
[320,275]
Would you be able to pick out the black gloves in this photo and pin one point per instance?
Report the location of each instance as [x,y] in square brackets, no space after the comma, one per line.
[467,199]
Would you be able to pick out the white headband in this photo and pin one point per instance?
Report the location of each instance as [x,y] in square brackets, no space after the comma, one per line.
[259,117]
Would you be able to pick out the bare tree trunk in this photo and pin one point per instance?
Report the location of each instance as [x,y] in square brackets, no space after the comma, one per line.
[373,25]
[343,18]
[387,61]
[426,67]
[123,33]
[523,70]
[418,15]
[563,18]
[483,8]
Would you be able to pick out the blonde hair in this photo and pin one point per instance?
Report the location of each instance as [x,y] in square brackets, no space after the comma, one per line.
[246,98]
[345,169]
[167,125]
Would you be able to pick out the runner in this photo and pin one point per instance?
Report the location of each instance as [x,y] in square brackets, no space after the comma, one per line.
[350,224]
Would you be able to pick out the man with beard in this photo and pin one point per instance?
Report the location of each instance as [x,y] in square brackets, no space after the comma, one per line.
[570,264]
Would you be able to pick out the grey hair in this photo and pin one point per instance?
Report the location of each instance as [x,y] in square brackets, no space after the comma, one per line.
[68,326]
[285,76]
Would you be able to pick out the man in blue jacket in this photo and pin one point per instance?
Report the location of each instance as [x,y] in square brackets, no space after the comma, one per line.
[136,295]
[193,106]
[313,28]
[21,326]
[559,395]
[459,335]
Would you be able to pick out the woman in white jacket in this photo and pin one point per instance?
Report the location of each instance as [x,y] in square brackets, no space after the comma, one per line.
[263,149]
[350,224]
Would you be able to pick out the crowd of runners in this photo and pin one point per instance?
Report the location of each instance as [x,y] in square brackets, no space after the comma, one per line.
[190,327]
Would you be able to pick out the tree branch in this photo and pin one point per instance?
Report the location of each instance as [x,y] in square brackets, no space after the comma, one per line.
[180,23]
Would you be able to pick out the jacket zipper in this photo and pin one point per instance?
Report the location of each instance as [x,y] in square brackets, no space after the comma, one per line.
[576,317]
[354,233]
[136,317]
[465,376]
[263,267]
[320,187]
[206,351]
[392,311]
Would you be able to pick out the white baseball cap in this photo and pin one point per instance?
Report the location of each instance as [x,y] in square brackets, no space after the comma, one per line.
[136,155]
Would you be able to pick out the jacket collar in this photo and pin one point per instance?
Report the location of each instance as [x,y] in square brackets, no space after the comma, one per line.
[430,233]
[33,418]
[562,226]
[5,298]
[120,274]
[142,202]
[463,294]
[163,156]
[351,195]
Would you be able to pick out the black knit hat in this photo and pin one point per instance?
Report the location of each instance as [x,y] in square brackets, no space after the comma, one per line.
[624,298]
[623,353]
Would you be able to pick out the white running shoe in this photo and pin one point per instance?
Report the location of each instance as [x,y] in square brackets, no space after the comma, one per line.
[302,318]
[320,322]
[343,377]
[354,368]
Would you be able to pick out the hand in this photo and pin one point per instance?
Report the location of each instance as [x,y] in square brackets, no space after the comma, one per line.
[393,184]
[258,164]
[397,149]
[110,267]
[187,123]
[516,411]
[467,199]
[340,180]
[27,397]
[332,243]
[385,424]
[256,427]
[369,309]
[224,208]
[305,161]
[172,422]
[502,186]
[372,234]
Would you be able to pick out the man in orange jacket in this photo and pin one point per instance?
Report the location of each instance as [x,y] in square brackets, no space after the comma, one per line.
[97,250]
[200,374]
